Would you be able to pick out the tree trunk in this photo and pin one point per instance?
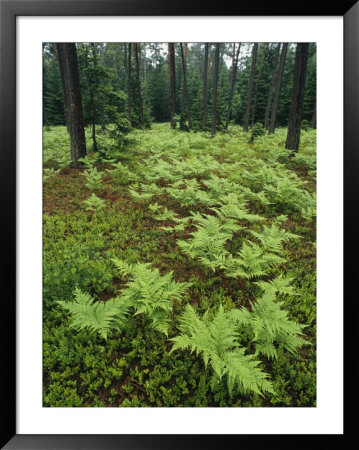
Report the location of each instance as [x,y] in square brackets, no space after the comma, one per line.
[277,91]
[250,89]
[172,74]
[67,58]
[135,49]
[270,95]
[93,106]
[101,105]
[185,88]
[63,88]
[215,83]
[205,87]
[296,109]
[235,58]
[129,85]
[257,83]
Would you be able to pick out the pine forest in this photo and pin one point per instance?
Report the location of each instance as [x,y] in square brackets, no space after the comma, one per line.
[179,224]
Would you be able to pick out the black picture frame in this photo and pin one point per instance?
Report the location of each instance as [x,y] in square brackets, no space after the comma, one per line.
[9,10]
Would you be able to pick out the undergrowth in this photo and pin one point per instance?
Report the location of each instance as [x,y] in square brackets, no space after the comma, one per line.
[180,271]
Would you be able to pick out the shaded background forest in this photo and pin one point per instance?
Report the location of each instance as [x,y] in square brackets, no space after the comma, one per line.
[114,83]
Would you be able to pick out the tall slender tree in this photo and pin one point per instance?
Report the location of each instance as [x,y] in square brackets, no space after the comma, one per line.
[235,57]
[172,75]
[278,88]
[92,85]
[129,85]
[296,109]
[138,82]
[67,58]
[271,88]
[257,82]
[250,88]
[205,86]
[215,84]
[62,75]
[185,88]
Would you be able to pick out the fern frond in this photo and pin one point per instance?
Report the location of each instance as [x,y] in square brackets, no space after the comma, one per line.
[151,294]
[242,370]
[216,341]
[272,238]
[270,324]
[94,203]
[141,196]
[279,284]
[97,316]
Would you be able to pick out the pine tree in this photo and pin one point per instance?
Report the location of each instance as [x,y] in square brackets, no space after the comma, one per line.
[278,88]
[215,84]
[235,58]
[205,86]
[67,58]
[296,111]
[271,88]
[250,89]
[138,83]
[185,88]
[257,83]
[172,76]
[129,84]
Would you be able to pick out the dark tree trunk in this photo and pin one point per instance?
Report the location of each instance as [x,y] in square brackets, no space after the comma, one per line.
[205,87]
[138,82]
[257,83]
[101,105]
[270,95]
[63,88]
[296,109]
[129,84]
[44,115]
[185,89]
[172,74]
[215,83]
[233,81]
[67,57]
[277,91]
[250,89]
[92,101]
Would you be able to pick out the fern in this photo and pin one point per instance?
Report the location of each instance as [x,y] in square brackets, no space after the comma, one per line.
[98,317]
[216,341]
[279,284]
[208,241]
[188,193]
[233,209]
[94,203]
[272,238]
[154,207]
[269,324]
[166,215]
[141,196]
[149,293]
[93,179]
[252,261]
[219,186]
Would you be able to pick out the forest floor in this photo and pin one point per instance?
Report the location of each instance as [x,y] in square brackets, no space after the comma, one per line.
[186,204]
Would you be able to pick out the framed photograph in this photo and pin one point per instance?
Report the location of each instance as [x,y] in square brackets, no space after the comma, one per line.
[174,186]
